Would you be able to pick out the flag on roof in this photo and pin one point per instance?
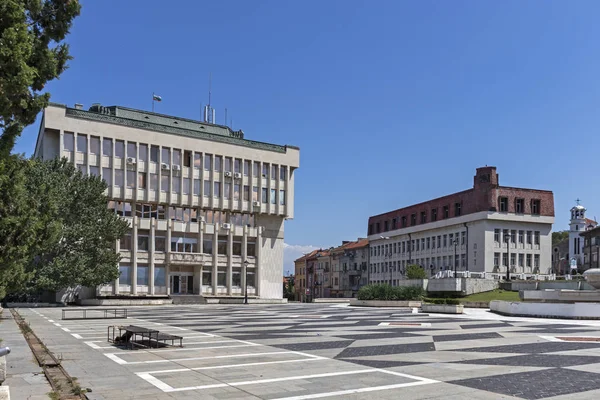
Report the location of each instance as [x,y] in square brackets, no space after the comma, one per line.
[156,97]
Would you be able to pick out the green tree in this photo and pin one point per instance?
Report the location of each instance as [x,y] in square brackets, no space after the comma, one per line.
[559,236]
[76,230]
[31,54]
[415,272]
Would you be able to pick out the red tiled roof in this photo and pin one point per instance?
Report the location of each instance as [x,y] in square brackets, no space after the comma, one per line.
[589,222]
[307,256]
[358,244]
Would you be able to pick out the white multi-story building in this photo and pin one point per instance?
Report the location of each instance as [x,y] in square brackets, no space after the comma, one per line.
[202,201]
[481,229]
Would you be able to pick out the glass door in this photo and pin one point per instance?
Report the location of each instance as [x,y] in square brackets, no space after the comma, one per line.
[175,281]
[190,284]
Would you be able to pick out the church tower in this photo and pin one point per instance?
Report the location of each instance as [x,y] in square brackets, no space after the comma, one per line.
[576,226]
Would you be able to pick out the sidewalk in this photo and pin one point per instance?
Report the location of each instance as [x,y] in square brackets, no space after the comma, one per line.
[24,376]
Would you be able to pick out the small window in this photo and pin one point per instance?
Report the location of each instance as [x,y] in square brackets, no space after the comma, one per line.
[433,214]
[446,212]
[457,209]
[503,202]
[404,222]
[413,219]
[535,207]
[394,223]
[385,226]
[423,217]
[520,206]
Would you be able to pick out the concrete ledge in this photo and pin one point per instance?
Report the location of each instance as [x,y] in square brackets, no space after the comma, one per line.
[384,303]
[563,295]
[240,300]
[546,310]
[443,308]
[32,305]
[124,302]
[333,300]
[476,304]
[4,393]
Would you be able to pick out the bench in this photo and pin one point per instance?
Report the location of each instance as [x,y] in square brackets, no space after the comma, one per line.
[94,313]
[128,335]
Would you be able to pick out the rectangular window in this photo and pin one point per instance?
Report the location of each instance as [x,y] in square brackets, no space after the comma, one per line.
[124,275]
[125,242]
[521,260]
[520,206]
[227,191]
[497,235]
[227,164]
[246,167]
[529,237]
[119,178]
[535,207]
[445,240]
[521,239]
[256,168]
[142,275]
[251,248]
[463,235]
[164,183]
[503,202]
[82,143]
[95,145]
[165,155]
[69,141]
[446,212]
[119,149]
[282,173]
[218,163]
[273,171]
[186,186]
[143,150]
[423,217]
[236,191]
[237,165]
[265,171]
[385,226]
[536,237]
[196,187]
[273,199]
[131,150]
[207,162]
[504,259]
[217,190]
[237,246]
[160,243]
[207,245]
[513,259]
[404,222]
[207,191]
[433,242]
[222,245]
[197,160]
[160,276]
[131,179]
[142,180]
[528,261]
[107,176]
[176,157]
[176,185]
[513,236]
[246,193]
[153,181]
[107,147]
[254,193]
[187,158]
[413,219]
[433,214]
[264,198]
[457,209]
[154,152]
[142,243]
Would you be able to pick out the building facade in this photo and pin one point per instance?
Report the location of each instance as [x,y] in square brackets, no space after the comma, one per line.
[301,276]
[482,229]
[591,248]
[578,224]
[354,262]
[205,204]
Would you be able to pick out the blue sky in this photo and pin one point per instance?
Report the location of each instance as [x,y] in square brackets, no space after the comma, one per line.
[391,102]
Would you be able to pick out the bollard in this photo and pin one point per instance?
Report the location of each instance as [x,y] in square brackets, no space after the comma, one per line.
[4,351]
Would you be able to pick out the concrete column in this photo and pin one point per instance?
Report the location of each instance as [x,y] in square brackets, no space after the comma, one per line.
[201,226]
[116,282]
[215,258]
[134,245]
[170,194]
[230,260]
[61,143]
[244,256]
[200,279]
[168,251]
[137,170]
[151,255]
[258,261]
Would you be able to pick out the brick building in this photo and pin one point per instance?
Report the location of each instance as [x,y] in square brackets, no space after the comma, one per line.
[469,230]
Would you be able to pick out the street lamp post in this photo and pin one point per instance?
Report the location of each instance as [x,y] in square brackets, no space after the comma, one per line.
[507,240]
[455,263]
[246,281]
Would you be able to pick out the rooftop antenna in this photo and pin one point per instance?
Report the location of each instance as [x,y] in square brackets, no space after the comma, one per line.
[209,112]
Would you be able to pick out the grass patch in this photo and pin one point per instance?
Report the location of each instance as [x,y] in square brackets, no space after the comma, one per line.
[496,294]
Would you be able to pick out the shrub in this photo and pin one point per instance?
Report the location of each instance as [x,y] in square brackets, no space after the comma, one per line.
[415,272]
[387,292]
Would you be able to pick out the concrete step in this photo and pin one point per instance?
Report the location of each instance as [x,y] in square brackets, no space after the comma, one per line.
[188,299]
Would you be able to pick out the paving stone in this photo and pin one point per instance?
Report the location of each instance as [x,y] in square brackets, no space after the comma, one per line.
[537,360]
[465,337]
[388,349]
[315,345]
[534,348]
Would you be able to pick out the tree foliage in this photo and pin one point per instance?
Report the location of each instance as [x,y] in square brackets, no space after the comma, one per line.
[55,228]
[415,272]
[31,54]
[559,236]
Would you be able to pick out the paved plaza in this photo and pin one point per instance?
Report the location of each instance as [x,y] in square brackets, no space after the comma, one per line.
[309,351]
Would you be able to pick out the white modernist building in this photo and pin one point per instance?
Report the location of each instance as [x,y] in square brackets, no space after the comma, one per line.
[482,229]
[206,206]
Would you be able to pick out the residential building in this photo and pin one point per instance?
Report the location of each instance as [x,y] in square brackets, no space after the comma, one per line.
[482,229]
[322,288]
[312,284]
[354,261]
[591,248]
[202,200]
[301,276]
[334,282]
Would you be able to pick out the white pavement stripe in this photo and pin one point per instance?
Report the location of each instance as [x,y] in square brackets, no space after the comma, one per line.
[315,358]
[154,381]
[117,359]
[355,391]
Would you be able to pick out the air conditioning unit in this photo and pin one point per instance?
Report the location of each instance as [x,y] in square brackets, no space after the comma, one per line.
[164,166]
[227,174]
[176,167]
[226,226]
[256,203]
[237,175]
[131,160]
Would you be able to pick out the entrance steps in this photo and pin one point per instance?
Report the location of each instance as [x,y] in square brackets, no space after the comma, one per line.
[188,299]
